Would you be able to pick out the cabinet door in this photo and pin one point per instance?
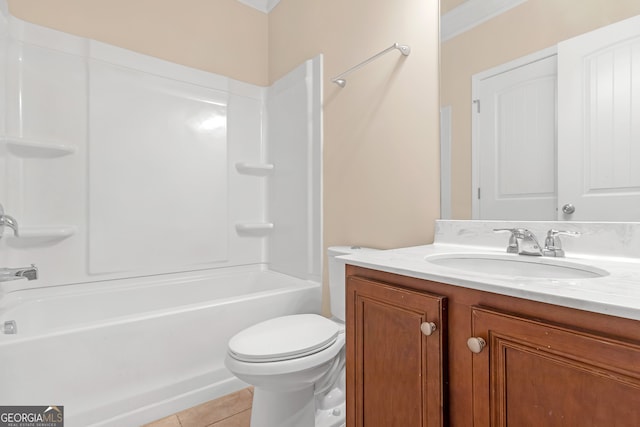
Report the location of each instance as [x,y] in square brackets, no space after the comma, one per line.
[538,374]
[395,371]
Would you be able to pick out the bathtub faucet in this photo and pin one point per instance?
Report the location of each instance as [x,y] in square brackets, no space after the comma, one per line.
[29,273]
[9,221]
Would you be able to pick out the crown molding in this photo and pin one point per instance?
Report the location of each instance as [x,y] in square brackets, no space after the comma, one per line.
[470,14]
[264,6]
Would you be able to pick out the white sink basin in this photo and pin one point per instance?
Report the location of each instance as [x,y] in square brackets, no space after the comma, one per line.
[517,266]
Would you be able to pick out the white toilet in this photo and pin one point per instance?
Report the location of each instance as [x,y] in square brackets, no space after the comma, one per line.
[296,363]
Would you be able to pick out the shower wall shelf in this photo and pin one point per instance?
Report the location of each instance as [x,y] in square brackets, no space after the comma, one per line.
[254,228]
[257,169]
[37,236]
[58,232]
[25,147]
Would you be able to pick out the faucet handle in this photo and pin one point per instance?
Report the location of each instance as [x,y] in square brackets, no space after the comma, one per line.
[512,248]
[522,242]
[518,231]
[9,221]
[554,233]
[553,245]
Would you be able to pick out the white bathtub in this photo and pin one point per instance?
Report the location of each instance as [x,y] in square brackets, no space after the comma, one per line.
[123,353]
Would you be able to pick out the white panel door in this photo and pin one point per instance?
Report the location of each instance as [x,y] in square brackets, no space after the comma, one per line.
[515,142]
[599,123]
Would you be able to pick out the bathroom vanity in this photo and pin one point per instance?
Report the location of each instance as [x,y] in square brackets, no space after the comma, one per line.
[429,345]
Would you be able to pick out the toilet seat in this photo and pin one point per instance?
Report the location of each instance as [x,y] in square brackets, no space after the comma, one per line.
[284,338]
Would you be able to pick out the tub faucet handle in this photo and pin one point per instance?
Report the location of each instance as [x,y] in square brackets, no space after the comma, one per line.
[9,221]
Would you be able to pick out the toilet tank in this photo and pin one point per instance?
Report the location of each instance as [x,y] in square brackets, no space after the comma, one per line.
[337,279]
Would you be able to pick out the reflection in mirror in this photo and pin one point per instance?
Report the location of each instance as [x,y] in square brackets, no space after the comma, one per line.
[479,43]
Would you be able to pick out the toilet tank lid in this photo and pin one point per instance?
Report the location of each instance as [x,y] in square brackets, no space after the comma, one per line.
[284,338]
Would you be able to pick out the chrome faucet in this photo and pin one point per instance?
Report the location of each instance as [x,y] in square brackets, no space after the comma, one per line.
[522,242]
[553,245]
[8,274]
[9,221]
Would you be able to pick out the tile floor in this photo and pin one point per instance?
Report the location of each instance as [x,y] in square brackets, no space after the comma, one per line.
[233,410]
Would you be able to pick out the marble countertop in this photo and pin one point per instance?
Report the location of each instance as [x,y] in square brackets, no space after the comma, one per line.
[617,293]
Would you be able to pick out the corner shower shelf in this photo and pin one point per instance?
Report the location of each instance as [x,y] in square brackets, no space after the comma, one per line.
[254,228]
[258,169]
[34,148]
[46,233]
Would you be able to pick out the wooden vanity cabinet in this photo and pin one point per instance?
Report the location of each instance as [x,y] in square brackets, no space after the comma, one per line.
[535,373]
[543,365]
[395,366]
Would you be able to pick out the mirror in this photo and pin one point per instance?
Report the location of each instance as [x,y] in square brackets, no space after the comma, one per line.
[479,35]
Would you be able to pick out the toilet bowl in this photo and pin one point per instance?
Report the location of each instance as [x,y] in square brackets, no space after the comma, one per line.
[296,363]
[285,378]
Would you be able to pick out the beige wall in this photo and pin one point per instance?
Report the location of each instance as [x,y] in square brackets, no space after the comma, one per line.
[381,177]
[381,149]
[219,36]
[525,29]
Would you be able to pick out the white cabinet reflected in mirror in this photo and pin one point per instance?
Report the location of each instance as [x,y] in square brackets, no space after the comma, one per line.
[543,123]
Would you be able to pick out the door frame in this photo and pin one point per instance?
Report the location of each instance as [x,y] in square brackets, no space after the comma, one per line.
[476,79]
[445,163]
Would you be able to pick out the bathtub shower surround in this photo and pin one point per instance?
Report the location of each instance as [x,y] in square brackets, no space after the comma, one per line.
[148,195]
[116,164]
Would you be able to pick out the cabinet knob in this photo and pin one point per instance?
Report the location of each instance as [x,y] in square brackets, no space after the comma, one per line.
[476,344]
[428,328]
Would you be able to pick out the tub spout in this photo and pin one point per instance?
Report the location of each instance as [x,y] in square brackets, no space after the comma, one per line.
[29,273]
